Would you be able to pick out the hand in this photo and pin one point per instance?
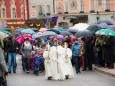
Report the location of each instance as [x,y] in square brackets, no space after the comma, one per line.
[17,48]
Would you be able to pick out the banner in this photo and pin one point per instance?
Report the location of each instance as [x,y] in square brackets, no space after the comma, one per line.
[54,19]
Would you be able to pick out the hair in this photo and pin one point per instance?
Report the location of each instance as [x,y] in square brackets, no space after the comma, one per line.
[27,39]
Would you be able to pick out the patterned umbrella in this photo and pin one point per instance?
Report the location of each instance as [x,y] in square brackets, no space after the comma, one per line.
[84,33]
[43,30]
[106,32]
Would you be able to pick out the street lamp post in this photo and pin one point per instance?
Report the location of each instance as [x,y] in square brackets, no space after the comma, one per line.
[98,16]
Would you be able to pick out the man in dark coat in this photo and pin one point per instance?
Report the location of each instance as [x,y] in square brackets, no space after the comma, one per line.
[108,53]
[12,46]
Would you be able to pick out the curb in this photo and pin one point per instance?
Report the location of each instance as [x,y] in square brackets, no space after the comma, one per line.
[104,72]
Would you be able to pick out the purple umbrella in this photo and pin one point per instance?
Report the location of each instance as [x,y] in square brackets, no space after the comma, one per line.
[105,21]
[112,27]
[59,37]
[103,25]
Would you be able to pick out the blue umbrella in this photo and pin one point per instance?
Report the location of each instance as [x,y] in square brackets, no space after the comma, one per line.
[65,27]
[18,30]
[105,21]
[34,29]
[54,30]
[29,31]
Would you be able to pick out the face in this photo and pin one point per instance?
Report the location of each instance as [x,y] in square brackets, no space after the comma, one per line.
[13,38]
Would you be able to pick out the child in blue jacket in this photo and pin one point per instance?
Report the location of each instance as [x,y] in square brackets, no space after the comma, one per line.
[37,62]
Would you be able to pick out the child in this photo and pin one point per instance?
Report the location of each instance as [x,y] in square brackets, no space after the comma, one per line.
[31,60]
[37,62]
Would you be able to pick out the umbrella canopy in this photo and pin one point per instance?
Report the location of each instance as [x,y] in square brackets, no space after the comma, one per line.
[93,28]
[72,30]
[18,31]
[43,30]
[105,21]
[112,27]
[54,30]
[48,33]
[65,27]
[29,31]
[60,29]
[36,35]
[66,33]
[106,32]
[4,31]
[103,25]
[34,29]
[21,38]
[84,33]
[59,37]
[80,26]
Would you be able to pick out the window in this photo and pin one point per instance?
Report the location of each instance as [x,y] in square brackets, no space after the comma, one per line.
[13,12]
[92,5]
[3,12]
[48,9]
[82,6]
[107,4]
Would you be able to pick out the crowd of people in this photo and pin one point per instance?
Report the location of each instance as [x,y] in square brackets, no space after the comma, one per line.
[56,57]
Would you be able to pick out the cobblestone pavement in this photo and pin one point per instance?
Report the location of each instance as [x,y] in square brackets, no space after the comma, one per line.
[89,78]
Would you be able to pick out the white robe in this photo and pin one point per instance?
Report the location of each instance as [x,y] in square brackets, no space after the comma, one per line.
[47,64]
[68,64]
[57,62]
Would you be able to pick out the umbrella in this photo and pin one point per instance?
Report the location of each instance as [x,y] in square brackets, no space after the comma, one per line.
[59,37]
[93,28]
[65,27]
[21,38]
[112,27]
[3,35]
[106,32]
[105,21]
[48,33]
[60,29]
[80,26]
[29,31]
[43,30]
[65,33]
[103,25]
[84,33]
[72,30]
[36,35]
[54,30]
[34,29]
[18,31]
[4,31]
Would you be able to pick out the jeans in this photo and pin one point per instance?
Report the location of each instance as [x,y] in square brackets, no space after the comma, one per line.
[36,70]
[26,64]
[77,63]
[12,62]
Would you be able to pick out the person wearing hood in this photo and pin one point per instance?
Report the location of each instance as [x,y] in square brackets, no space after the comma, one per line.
[76,54]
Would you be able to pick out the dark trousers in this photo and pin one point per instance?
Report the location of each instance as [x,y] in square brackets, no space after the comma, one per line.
[26,64]
[77,63]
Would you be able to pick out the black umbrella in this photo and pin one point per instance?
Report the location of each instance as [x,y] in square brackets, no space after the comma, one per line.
[94,27]
[105,21]
[66,33]
[84,33]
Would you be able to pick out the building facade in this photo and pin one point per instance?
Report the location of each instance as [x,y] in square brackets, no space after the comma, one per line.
[14,13]
[39,11]
[89,11]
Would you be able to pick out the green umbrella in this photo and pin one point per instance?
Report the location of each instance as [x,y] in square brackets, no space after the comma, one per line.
[106,32]
[4,31]
[60,29]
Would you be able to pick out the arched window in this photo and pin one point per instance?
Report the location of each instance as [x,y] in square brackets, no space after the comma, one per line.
[3,9]
[13,9]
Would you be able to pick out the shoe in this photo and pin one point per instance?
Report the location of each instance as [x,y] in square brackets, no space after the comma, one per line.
[50,78]
[27,71]
[9,72]
[67,76]
[14,71]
